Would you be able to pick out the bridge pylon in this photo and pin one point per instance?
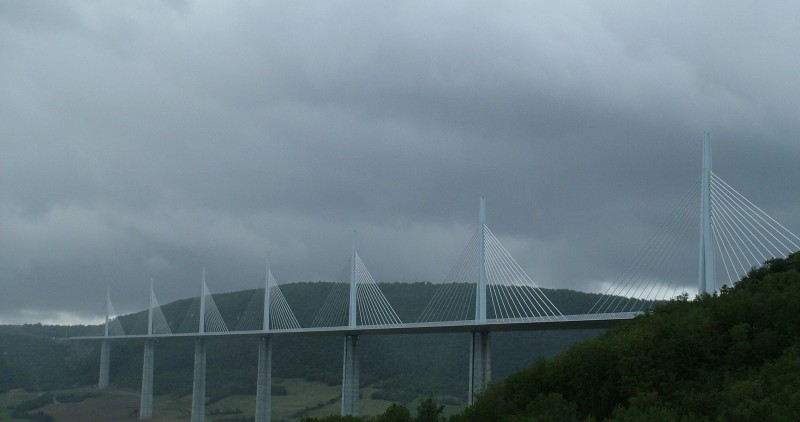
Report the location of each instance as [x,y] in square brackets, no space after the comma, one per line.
[105,348]
[480,367]
[707,273]
[264,378]
[350,364]
[264,381]
[148,360]
[199,379]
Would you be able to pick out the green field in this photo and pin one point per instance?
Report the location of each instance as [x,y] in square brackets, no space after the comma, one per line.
[303,398]
[11,398]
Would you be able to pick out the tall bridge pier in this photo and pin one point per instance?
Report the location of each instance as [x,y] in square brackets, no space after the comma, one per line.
[479,353]
[146,399]
[146,403]
[264,381]
[105,363]
[199,383]
[105,348]
[480,368]
[350,379]
[707,276]
[350,367]
[264,378]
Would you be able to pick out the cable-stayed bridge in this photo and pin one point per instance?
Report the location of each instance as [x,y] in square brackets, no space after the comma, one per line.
[485,291]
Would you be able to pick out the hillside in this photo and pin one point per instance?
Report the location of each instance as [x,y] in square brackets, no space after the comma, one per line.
[402,368]
[31,358]
[732,356]
[397,368]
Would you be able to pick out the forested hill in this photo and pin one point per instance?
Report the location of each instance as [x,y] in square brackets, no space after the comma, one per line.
[733,356]
[31,357]
[400,367]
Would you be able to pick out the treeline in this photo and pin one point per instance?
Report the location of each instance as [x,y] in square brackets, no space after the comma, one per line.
[427,411]
[731,356]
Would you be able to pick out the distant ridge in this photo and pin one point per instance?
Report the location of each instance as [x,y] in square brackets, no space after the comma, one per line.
[389,363]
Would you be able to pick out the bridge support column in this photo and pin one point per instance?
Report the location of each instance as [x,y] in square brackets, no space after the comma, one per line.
[146,404]
[105,363]
[480,368]
[708,278]
[199,386]
[264,386]
[350,382]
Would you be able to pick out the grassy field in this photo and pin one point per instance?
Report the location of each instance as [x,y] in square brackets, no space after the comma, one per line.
[11,398]
[303,398]
[5,415]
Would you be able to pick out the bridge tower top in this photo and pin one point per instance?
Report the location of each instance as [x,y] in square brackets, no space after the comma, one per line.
[150,310]
[352,316]
[108,307]
[202,327]
[707,275]
[480,294]
[267,293]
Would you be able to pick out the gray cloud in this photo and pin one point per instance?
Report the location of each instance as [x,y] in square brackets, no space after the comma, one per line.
[151,139]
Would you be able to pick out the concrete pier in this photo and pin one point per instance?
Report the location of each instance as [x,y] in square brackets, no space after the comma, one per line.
[199,386]
[264,386]
[480,368]
[350,382]
[105,363]
[146,404]
[480,363]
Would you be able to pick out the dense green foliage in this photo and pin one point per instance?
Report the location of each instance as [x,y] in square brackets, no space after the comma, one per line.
[30,358]
[427,411]
[732,356]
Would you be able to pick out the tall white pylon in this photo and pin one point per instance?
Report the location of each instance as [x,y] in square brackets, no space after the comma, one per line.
[267,292]
[353,317]
[105,348]
[707,275]
[108,307]
[148,359]
[350,362]
[199,380]
[150,310]
[480,349]
[264,376]
[480,292]
[202,328]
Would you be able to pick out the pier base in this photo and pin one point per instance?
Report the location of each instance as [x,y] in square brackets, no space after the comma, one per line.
[105,364]
[264,385]
[199,386]
[350,383]
[146,404]
[480,368]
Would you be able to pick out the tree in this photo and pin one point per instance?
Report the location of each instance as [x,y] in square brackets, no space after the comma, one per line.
[394,413]
[428,411]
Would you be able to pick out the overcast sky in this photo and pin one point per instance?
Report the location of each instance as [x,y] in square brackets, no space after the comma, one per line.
[150,139]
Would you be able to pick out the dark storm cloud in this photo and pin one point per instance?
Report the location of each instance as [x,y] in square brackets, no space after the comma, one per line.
[151,139]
